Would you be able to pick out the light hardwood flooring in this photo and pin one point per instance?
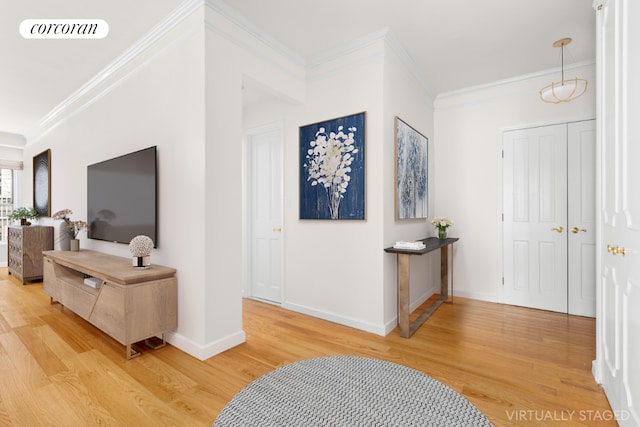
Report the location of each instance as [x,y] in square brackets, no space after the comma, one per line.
[518,366]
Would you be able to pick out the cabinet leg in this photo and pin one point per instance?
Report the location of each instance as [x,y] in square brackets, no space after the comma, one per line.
[132,352]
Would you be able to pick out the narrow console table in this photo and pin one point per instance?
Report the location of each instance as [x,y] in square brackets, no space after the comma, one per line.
[407,328]
[129,305]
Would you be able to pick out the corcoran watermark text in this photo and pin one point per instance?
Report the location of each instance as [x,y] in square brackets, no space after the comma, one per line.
[64,28]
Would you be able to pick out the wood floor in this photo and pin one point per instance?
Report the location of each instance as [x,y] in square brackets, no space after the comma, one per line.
[518,366]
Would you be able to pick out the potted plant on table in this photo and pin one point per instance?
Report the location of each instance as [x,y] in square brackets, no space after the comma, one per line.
[23,214]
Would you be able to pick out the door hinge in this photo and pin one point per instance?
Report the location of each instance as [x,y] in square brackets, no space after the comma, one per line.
[503,217]
[503,281]
[503,154]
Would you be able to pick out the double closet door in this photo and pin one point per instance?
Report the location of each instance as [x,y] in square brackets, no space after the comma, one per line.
[549,210]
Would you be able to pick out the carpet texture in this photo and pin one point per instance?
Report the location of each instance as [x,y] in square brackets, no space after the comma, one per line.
[348,391]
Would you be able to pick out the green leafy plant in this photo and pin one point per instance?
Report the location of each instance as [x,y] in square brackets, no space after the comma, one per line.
[23,213]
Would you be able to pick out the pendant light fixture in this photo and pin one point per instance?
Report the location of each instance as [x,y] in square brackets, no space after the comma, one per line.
[565,90]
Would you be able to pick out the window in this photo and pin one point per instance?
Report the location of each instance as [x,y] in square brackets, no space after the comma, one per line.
[6,201]
[10,174]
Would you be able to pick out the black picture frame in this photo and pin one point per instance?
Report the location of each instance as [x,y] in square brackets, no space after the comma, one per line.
[42,183]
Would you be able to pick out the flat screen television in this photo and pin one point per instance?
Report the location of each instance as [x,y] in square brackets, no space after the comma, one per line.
[122,199]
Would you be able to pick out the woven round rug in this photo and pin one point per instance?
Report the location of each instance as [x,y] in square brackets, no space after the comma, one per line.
[348,391]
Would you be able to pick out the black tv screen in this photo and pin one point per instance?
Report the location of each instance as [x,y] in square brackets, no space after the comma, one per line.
[122,197]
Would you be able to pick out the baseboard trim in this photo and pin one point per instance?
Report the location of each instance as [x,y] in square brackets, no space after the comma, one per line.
[477,296]
[342,320]
[204,352]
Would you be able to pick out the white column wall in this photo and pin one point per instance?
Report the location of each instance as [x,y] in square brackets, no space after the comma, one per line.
[409,99]
[157,100]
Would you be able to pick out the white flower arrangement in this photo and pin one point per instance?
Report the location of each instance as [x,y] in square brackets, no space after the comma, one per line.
[141,246]
[441,222]
[329,163]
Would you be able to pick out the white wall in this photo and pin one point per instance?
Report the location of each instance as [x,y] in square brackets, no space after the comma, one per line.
[468,126]
[231,54]
[157,99]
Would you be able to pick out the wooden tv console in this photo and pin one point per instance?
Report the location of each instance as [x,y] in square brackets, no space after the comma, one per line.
[129,305]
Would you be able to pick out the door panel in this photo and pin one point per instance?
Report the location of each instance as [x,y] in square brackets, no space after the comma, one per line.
[618,342]
[535,218]
[265,151]
[581,198]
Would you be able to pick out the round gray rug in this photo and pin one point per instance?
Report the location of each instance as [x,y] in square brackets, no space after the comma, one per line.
[348,391]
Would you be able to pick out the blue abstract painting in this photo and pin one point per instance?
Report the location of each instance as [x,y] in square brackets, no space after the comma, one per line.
[411,172]
[332,179]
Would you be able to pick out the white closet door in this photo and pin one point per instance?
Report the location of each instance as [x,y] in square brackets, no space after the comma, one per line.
[617,365]
[581,200]
[535,217]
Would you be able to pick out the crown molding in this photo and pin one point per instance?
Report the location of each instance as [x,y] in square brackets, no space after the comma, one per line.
[385,35]
[96,87]
[512,80]
[71,103]
[392,40]
[12,140]
[235,17]
[348,48]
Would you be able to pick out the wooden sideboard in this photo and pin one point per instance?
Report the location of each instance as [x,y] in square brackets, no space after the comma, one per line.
[24,250]
[128,304]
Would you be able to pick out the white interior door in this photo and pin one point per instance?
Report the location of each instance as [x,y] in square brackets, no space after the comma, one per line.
[581,201]
[617,366]
[535,217]
[265,195]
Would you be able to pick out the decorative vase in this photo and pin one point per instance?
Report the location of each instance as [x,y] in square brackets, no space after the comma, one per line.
[74,245]
[141,262]
[442,233]
[64,236]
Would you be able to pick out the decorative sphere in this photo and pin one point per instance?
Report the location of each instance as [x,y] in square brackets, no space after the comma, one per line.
[141,246]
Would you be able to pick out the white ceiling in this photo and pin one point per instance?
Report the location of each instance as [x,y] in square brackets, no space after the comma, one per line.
[455,43]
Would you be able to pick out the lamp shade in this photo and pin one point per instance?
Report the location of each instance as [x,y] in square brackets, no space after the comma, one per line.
[564,91]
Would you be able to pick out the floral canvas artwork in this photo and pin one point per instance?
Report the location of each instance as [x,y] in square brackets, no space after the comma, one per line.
[332,179]
[411,172]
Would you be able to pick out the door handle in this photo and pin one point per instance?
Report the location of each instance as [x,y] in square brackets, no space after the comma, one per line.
[576,230]
[559,229]
[278,229]
[615,250]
